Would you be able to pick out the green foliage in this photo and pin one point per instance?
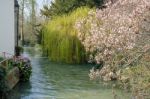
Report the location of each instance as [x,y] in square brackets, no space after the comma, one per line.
[138,82]
[10,64]
[1,58]
[60,40]
[3,87]
[18,50]
[59,7]
[25,69]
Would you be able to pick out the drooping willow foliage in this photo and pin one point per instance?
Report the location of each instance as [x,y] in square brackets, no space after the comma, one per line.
[60,42]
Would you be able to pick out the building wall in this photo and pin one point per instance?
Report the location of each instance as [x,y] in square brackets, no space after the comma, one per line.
[7,27]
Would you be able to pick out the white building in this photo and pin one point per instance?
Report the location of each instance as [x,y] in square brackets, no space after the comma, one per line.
[8,26]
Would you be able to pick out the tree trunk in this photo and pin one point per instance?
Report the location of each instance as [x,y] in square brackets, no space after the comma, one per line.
[22,24]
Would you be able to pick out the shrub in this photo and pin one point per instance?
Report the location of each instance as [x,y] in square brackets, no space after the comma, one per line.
[112,35]
[25,68]
[3,86]
[1,58]
[60,40]
[138,81]
[18,50]
[119,37]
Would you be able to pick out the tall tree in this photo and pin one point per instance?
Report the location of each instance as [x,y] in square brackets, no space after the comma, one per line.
[27,20]
[33,15]
[22,7]
[59,7]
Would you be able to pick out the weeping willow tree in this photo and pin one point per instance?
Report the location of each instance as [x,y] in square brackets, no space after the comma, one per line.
[60,42]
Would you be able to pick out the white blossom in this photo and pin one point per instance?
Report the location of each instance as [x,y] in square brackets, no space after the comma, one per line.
[113,30]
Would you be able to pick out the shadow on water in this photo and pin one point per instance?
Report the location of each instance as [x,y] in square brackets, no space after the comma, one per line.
[60,81]
[16,92]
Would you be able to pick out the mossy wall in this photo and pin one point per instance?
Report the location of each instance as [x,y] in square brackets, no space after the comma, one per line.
[60,42]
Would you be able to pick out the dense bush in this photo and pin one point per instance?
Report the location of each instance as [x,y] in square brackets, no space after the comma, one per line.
[1,58]
[3,87]
[25,68]
[138,81]
[60,40]
[113,35]
[118,36]
[18,50]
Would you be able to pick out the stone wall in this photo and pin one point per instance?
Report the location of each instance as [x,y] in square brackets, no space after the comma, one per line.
[12,78]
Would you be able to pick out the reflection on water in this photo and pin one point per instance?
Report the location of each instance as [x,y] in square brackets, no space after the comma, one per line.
[60,81]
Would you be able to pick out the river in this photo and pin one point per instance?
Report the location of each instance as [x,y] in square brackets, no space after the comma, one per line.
[61,81]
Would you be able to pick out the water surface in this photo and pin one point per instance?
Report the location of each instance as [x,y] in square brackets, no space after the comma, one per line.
[61,81]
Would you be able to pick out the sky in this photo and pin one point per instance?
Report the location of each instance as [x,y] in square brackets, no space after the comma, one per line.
[41,2]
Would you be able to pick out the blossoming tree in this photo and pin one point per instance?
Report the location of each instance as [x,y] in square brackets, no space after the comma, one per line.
[111,35]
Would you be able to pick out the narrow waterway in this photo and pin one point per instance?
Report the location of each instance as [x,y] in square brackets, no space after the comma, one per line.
[60,81]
